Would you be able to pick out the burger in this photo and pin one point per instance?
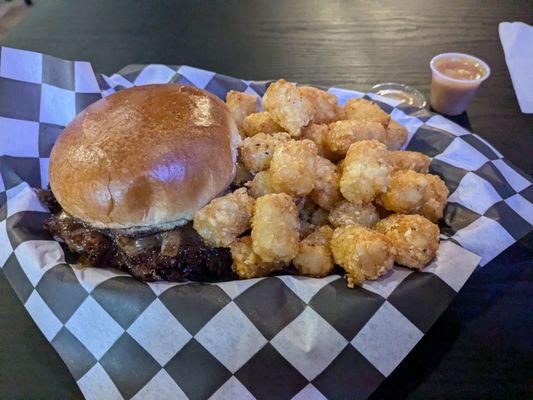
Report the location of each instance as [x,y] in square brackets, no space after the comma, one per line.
[130,171]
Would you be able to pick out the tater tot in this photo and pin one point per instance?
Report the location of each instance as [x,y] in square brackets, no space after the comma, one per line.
[415,238]
[288,106]
[318,133]
[342,134]
[410,192]
[362,253]
[256,152]
[326,192]
[346,213]
[224,218]
[406,192]
[275,233]
[413,160]
[260,185]
[241,104]
[325,104]
[246,263]
[320,236]
[436,197]
[366,171]
[260,122]
[314,256]
[293,167]
[341,114]
[362,109]
[396,135]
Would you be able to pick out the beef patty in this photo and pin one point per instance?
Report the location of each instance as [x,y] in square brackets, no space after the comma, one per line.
[175,255]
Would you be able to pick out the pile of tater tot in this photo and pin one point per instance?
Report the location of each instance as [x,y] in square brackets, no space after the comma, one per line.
[322,185]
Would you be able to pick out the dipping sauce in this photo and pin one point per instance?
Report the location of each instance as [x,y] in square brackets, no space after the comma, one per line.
[460,68]
[455,80]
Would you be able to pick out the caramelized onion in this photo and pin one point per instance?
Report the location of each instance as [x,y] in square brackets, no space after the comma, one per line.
[170,243]
[136,246]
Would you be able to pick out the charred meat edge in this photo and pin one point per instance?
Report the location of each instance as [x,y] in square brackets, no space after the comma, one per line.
[185,256]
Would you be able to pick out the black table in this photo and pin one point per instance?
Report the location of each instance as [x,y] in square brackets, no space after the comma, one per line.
[481,346]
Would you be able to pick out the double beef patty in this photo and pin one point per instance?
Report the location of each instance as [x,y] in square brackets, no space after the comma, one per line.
[146,257]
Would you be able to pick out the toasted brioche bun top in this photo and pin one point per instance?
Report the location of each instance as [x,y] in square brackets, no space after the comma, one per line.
[144,158]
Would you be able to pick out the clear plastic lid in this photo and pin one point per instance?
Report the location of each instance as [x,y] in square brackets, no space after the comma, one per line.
[398,91]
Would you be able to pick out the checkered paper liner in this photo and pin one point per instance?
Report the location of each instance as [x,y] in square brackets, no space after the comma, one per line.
[273,338]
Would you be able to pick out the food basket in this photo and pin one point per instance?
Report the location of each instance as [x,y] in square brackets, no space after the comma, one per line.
[272,338]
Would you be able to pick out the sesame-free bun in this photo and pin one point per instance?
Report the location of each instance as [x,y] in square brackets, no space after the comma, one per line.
[144,158]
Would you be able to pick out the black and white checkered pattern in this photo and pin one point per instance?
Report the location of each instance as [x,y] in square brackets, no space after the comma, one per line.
[273,338]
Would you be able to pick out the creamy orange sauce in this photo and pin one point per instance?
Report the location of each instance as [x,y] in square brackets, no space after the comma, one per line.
[460,68]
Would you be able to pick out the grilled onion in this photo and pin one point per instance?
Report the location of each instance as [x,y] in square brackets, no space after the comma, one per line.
[170,243]
[135,246]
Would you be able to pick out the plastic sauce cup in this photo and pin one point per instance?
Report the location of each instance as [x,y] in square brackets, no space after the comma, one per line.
[451,95]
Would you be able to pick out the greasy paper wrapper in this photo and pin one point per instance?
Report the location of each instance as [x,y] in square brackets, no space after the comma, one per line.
[273,338]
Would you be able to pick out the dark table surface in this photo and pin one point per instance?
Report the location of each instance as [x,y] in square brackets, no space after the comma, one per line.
[481,346]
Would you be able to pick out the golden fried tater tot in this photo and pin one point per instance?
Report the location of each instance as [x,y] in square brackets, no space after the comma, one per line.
[318,133]
[325,104]
[365,172]
[314,256]
[224,218]
[396,135]
[241,104]
[260,185]
[361,252]
[413,160]
[436,197]
[260,122]
[362,109]
[246,263]
[321,235]
[406,192]
[410,192]
[288,106]
[293,167]
[346,213]
[415,239]
[275,233]
[326,192]
[342,134]
[256,152]
[341,114]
